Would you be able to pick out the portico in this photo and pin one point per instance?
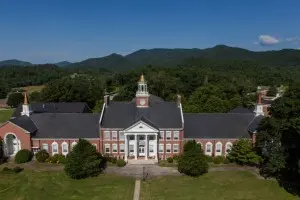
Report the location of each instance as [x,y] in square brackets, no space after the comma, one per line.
[141,142]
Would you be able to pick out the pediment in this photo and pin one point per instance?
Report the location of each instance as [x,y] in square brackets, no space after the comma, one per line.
[141,127]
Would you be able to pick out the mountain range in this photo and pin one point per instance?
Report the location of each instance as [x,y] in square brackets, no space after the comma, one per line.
[174,57]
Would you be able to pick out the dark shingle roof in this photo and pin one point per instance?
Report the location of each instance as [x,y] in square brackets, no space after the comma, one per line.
[255,123]
[152,99]
[66,125]
[241,110]
[216,125]
[24,122]
[123,114]
[52,107]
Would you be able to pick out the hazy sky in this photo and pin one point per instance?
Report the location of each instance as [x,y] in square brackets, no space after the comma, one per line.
[50,31]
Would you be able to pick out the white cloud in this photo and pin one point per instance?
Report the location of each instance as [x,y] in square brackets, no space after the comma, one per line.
[293,39]
[268,40]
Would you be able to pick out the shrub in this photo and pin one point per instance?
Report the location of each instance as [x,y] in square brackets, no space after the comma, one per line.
[209,158]
[17,169]
[42,155]
[170,160]
[6,170]
[175,157]
[226,161]
[84,161]
[218,160]
[121,163]
[113,160]
[57,158]
[193,162]
[23,156]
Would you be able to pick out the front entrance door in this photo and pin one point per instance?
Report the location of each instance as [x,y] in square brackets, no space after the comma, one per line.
[15,146]
[141,151]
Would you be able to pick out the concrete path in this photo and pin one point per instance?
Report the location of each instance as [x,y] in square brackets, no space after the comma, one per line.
[137,190]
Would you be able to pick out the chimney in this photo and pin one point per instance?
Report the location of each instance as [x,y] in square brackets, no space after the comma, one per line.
[106,100]
[178,100]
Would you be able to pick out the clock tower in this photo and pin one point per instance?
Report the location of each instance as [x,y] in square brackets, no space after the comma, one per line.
[142,95]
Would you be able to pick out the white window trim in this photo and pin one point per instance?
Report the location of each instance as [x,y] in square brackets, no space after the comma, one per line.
[170,148]
[95,145]
[105,133]
[73,144]
[112,135]
[123,145]
[177,148]
[211,149]
[107,146]
[114,145]
[45,145]
[170,132]
[226,149]
[221,146]
[62,148]
[162,135]
[163,148]
[54,143]
[175,132]
[122,132]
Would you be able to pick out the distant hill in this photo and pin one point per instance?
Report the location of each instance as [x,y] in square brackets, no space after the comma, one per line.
[174,57]
[14,62]
[62,63]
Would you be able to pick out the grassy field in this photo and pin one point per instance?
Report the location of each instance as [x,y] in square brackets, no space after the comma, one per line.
[56,185]
[35,88]
[5,114]
[225,185]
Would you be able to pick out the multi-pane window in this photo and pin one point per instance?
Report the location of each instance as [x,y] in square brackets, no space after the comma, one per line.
[73,144]
[151,148]
[131,137]
[131,148]
[168,135]
[114,135]
[121,135]
[168,148]
[95,145]
[218,147]
[65,148]
[45,147]
[122,148]
[115,148]
[161,148]
[175,148]
[107,148]
[228,147]
[151,137]
[176,135]
[162,135]
[208,147]
[106,135]
[54,148]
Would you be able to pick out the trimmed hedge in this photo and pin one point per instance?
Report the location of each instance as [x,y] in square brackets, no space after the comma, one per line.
[218,159]
[42,155]
[121,163]
[12,170]
[209,158]
[226,161]
[57,158]
[170,160]
[23,156]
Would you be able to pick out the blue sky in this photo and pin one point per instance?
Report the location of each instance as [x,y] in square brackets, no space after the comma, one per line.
[43,31]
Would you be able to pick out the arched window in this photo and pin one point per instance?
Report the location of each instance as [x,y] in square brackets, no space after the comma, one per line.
[218,149]
[73,144]
[64,148]
[228,147]
[208,148]
[54,146]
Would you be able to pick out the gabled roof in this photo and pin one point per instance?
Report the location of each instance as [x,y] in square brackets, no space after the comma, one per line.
[24,122]
[66,125]
[216,125]
[123,114]
[53,107]
[145,120]
[255,123]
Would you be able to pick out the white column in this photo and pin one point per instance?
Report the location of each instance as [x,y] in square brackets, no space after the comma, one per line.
[136,147]
[155,147]
[126,148]
[146,147]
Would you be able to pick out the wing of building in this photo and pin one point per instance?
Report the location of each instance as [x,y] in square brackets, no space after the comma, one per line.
[146,128]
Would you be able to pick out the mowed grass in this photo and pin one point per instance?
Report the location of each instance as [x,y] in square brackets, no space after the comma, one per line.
[222,185]
[5,114]
[29,185]
[34,88]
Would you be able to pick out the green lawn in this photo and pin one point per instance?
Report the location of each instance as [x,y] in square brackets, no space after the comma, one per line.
[5,114]
[222,185]
[56,185]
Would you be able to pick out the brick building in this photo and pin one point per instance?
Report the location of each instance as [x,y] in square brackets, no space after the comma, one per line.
[146,128]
